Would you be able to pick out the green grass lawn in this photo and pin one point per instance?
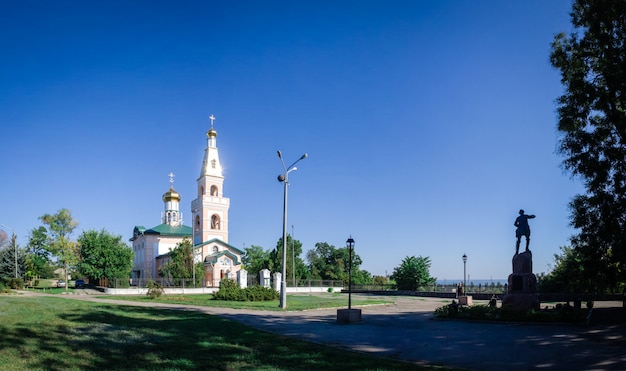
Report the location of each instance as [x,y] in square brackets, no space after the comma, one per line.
[294,302]
[53,333]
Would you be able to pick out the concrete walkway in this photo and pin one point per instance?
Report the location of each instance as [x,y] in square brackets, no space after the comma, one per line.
[406,330]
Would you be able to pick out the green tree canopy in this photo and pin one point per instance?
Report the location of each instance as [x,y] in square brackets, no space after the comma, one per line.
[255,259]
[8,267]
[592,124]
[413,273]
[103,255]
[568,274]
[181,263]
[276,257]
[38,255]
[60,228]
[330,263]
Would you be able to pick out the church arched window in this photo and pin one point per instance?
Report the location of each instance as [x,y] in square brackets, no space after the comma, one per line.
[201,191]
[215,249]
[215,221]
[197,223]
[213,190]
[213,162]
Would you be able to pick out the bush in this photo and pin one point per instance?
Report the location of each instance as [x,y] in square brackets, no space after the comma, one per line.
[4,289]
[15,283]
[154,290]
[230,290]
[559,314]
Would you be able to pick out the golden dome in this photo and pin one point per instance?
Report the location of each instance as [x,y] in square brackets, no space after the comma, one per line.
[211,133]
[171,195]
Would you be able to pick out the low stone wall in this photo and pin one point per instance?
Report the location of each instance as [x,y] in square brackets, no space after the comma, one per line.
[201,290]
[166,291]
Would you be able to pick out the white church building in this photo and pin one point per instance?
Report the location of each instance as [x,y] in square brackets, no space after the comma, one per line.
[209,232]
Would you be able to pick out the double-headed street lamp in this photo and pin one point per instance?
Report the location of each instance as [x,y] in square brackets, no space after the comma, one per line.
[284,178]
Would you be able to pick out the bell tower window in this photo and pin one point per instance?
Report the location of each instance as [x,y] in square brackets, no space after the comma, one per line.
[213,190]
[215,221]
[197,223]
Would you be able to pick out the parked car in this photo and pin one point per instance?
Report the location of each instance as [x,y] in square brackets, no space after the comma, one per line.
[60,283]
[79,284]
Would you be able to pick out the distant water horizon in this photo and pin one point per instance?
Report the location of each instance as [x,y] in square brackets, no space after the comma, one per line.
[482,282]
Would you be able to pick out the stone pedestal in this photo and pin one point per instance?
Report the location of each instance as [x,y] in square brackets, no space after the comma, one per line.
[522,284]
[466,300]
[264,276]
[348,315]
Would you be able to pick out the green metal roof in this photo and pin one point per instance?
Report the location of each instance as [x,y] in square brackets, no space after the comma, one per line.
[170,230]
[221,242]
[212,259]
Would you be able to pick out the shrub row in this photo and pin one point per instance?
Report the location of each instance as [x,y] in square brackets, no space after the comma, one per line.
[559,314]
[12,283]
[230,290]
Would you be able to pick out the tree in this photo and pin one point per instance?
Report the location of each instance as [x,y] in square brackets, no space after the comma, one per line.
[567,275]
[38,255]
[413,273]
[255,259]
[276,256]
[327,262]
[592,123]
[181,263]
[103,256]
[60,227]
[10,265]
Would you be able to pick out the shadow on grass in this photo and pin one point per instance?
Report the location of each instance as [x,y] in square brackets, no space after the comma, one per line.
[103,336]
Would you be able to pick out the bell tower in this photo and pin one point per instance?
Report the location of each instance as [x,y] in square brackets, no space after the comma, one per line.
[210,209]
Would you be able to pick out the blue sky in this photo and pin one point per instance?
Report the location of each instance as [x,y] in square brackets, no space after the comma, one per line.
[428,124]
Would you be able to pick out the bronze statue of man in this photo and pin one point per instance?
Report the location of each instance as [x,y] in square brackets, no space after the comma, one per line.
[523,229]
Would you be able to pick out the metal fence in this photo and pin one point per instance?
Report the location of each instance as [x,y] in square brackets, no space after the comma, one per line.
[189,283]
[451,288]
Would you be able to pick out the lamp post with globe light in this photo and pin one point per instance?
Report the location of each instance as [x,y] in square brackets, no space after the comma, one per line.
[350,243]
[464,280]
[349,315]
[284,178]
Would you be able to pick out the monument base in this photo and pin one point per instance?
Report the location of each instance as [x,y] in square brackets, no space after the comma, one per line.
[348,315]
[465,300]
[521,301]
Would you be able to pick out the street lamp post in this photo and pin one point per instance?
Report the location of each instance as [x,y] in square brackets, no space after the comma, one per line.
[14,245]
[464,281]
[293,257]
[350,243]
[284,178]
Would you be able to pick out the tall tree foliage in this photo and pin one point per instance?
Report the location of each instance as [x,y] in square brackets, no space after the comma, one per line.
[568,274]
[103,256]
[276,257]
[181,263]
[592,122]
[330,263]
[255,259]
[12,260]
[38,255]
[413,273]
[60,228]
